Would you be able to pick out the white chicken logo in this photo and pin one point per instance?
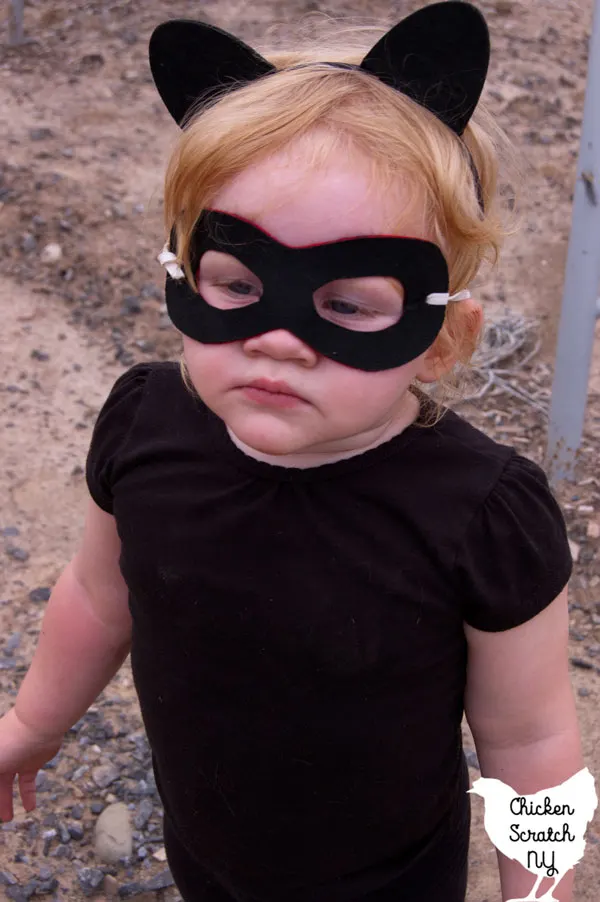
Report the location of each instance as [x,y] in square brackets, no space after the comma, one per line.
[545,831]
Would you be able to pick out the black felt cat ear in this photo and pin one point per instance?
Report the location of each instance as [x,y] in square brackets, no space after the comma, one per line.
[439,56]
[191,60]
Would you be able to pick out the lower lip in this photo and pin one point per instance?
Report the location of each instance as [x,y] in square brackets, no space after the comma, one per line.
[271,399]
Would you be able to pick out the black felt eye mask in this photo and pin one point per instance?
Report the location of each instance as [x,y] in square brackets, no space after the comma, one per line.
[290,276]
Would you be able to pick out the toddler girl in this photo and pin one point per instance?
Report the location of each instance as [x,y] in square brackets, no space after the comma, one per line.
[315,572]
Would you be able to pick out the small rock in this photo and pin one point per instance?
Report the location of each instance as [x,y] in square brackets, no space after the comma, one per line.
[575,549]
[90,879]
[160,854]
[45,887]
[91,62]
[110,886]
[131,304]
[39,355]
[29,243]
[7,879]
[51,253]
[105,774]
[583,692]
[97,807]
[13,643]
[582,664]
[40,134]
[75,832]
[41,594]
[472,759]
[9,531]
[77,811]
[17,554]
[16,894]
[131,889]
[43,784]
[144,813]
[160,881]
[64,833]
[113,839]
[593,530]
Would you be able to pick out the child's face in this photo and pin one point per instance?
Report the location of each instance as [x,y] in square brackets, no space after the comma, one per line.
[339,408]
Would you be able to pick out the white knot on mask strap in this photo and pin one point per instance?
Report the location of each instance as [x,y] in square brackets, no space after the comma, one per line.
[168,259]
[441,299]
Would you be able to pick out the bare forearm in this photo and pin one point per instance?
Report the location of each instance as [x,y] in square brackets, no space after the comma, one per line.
[76,656]
[529,769]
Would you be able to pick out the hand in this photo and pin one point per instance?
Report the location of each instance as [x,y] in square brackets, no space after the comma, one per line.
[22,753]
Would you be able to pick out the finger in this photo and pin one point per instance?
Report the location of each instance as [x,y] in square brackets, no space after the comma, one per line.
[27,789]
[6,799]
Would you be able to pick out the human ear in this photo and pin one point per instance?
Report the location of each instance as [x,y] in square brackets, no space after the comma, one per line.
[456,342]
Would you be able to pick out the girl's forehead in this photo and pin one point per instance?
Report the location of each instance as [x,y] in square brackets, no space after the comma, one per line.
[299,204]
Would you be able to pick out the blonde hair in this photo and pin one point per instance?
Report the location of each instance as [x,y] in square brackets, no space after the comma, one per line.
[353,112]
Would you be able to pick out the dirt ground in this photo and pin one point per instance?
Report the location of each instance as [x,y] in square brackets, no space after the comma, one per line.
[84,142]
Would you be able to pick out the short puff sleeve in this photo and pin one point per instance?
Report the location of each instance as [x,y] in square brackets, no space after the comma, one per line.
[515,558]
[111,430]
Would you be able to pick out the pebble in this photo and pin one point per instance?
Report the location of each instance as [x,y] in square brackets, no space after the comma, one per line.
[97,807]
[110,886]
[43,783]
[39,355]
[51,253]
[7,879]
[9,531]
[12,644]
[17,554]
[75,832]
[77,811]
[582,664]
[583,692]
[90,879]
[472,759]
[112,834]
[40,134]
[144,813]
[29,243]
[105,774]
[131,304]
[41,594]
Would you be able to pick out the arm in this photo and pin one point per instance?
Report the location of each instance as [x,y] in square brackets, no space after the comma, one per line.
[84,639]
[85,633]
[520,708]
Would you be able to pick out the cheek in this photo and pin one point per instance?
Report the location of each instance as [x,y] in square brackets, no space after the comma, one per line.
[377,389]
[205,361]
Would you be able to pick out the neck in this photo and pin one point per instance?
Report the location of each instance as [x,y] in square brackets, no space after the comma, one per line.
[305,459]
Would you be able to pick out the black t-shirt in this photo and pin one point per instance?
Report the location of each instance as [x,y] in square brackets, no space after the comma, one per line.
[298,644]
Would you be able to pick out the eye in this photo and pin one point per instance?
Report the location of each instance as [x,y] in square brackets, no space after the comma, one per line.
[224,282]
[240,288]
[346,308]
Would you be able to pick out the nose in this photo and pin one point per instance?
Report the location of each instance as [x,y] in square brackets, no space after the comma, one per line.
[280,345]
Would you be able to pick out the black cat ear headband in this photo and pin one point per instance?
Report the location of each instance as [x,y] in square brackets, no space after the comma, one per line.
[439,57]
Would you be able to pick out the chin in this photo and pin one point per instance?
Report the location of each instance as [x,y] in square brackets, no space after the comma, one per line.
[268,441]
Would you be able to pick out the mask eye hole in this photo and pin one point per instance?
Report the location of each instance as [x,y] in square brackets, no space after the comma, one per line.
[367,304]
[224,282]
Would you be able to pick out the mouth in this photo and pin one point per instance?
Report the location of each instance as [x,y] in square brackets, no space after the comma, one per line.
[274,388]
[271,393]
